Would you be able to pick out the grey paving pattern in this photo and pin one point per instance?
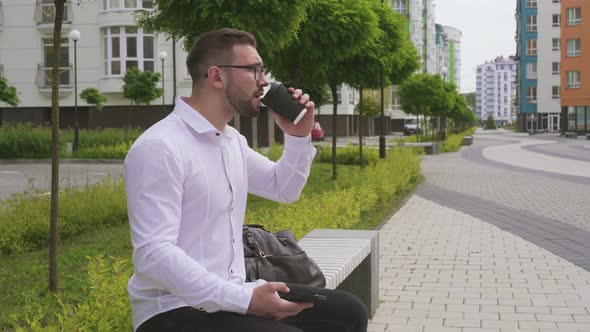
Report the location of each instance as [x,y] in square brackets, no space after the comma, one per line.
[490,245]
[445,270]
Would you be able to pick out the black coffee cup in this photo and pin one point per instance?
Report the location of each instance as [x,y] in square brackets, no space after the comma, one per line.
[279,100]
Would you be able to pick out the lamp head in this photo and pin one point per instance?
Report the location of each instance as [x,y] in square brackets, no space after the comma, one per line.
[163,55]
[75,35]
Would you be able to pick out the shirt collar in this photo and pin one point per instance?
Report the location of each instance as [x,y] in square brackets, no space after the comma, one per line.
[197,121]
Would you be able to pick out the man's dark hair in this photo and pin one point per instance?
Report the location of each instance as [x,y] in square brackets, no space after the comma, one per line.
[215,47]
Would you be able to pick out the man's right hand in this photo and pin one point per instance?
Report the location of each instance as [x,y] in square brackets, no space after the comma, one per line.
[266,303]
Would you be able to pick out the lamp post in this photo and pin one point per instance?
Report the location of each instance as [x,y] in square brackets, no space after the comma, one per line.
[75,36]
[444,71]
[163,55]
[382,136]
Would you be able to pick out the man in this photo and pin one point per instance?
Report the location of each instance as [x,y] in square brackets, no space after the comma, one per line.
[187,180]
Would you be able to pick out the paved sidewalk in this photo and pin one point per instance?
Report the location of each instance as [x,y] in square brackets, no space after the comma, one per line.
[491,242]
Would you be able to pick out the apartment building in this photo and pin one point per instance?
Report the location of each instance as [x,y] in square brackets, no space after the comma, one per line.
[496,90]
[448,53]
[547,68]
[527,51]
[575,64]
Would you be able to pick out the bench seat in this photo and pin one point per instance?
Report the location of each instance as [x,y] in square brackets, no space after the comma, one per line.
[349,260]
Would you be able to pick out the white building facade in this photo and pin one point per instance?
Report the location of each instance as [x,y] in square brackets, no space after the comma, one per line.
[109,44]
[548,66]
[496,90]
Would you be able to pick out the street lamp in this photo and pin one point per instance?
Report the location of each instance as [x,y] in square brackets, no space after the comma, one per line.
[163,55]
[444,71]
[75,36]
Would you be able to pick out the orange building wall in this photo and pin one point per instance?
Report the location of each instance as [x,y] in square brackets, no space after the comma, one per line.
[581,96]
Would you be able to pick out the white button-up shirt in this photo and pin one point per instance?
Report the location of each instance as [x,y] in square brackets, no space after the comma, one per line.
[187,186]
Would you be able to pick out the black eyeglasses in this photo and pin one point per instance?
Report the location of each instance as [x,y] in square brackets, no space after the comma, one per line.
[258,69]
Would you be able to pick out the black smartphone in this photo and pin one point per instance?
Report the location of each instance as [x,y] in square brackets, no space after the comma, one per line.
[302,297]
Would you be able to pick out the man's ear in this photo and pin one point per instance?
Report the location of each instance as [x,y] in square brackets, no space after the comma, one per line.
[215,77]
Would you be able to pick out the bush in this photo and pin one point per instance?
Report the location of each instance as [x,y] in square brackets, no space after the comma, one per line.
[348,155]
[24,218]
[105,306]
[27,141]
[490,123]
[453,142]
[375,185]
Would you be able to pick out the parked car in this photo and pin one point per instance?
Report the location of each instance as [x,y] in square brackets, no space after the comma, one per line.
[411,126]
[317,133]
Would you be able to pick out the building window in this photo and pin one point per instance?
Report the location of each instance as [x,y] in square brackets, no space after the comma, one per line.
[45,12]
[555,92]
[126,47]
[531,94]
[556,18]
[573,47]
[573,80]
[531,47]
[574,16]
[531,3]
[555,1]
[127,4]
[555,68]
[399,6]
[44,73]
[531,23]
[531,71]
[555,43]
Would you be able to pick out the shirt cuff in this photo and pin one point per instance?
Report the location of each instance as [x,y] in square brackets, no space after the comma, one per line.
[237,298]
[299,144]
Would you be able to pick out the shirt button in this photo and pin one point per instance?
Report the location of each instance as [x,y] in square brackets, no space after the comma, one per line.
[217,134]
[233,240]
[201,309]
[231,271]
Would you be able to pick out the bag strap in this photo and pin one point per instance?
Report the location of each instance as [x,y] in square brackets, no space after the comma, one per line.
[253,242]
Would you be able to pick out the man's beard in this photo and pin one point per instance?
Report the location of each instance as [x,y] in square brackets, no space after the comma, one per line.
[242,106]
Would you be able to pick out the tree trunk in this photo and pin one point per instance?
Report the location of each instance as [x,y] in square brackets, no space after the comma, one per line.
[334,91]
[59,12]
[128,121]
[361,126]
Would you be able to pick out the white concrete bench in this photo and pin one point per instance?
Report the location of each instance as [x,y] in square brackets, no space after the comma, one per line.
[429,147]
[349,260]
[467,140]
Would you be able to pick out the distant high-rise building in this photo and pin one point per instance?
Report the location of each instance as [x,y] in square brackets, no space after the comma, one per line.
[526,52]
[496,89]
[575,64]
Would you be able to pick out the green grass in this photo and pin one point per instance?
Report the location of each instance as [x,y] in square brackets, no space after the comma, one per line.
[25,277]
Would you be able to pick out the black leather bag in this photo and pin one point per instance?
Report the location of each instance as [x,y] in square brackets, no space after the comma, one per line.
[278,257]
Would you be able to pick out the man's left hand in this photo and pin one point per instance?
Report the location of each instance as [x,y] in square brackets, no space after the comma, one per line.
[304,126]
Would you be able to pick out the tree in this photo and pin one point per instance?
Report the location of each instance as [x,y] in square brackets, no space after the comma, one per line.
[334,31]
[369,107]
[412,94]
[391,53]
[93,97]
[141,88]
[8,93]
[470,98]
[490,123]
[59,13]
[274,23]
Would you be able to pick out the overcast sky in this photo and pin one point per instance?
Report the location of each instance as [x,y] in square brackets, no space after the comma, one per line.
[488,28]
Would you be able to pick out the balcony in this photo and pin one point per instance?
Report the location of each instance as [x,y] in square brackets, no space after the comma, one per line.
[1,16]
[43,79]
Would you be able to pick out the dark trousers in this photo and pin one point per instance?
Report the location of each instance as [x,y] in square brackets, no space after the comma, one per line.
[342,312]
